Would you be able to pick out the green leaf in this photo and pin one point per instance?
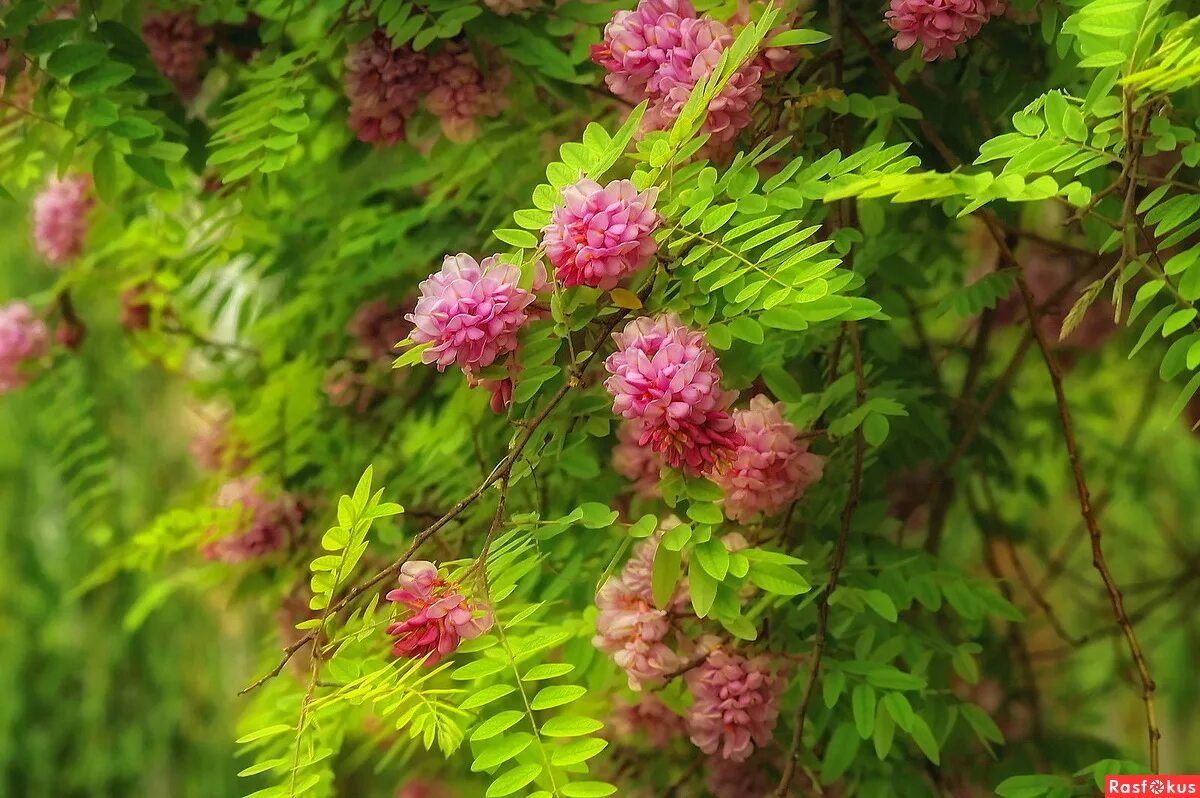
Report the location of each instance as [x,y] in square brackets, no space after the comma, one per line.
[486,696]
[862,700]
[71,59]
[881,602]
[496,724]
[884,733]
[588,789]
[776,578]
[577,751]
[556,695]
[549,670]
[518,238]
[478,669]
[570,726]
[839,755]
[705,513]
[924,739]
[597,515]
[513,780]
[982,723]
[500,750]
[703,590]
[889,677]
[269,731]
[791,38]
[713,558]
[104,173]
[665,575]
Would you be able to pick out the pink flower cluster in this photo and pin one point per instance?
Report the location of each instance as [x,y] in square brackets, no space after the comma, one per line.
[734,704]
[462,92]
[378,326]
[666,376]
[771,468]
[23,337]
[387,84]
[939,25]
[629,627]
[660,51]
[214,448]
[470,312]
[178,46]
[601,234]
[263,523]
[440,616]
[424,788]
[60,218]
[639,465]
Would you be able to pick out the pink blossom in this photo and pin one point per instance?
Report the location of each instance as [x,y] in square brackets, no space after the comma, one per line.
[631,630]
[379,325]
[637,463]
[263,523]
[734,704]
[470,312]
[695,58]
[599,235]
[636,43]
[771,468]
[939,25]
[384,85]
[649,717]
[440,615]
[178,46]
[462,92]
[23,337]
[60,218]
[666,376]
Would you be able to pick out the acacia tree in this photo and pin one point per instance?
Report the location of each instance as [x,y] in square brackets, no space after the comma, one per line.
[754,434]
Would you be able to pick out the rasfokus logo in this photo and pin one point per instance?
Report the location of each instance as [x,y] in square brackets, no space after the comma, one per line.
[1151,785]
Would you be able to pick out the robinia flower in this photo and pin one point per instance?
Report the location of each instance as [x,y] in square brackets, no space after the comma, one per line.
[666,376]
[729,779]
[734,704]
[631,630]
[214,447]
[440,618]
[470,312]
[462,92]
[939,25]
[636,43]
[601,234]
[178,46]
[385,85]
[60,218]
[263,523]
[637,463]
[23,337]
[771,468]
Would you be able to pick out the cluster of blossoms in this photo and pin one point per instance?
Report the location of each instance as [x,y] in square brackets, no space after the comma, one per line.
[660,51]
[666,377]
[734,704]
[386,86]
[376,327]
[23,337]
[771,468]
[939,25]
[470,314]
[60,220]
[630,628]
[440,615]
[601,234]
[264,523]
[178,46]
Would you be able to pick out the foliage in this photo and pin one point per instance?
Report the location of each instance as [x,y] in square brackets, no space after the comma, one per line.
[947,274]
